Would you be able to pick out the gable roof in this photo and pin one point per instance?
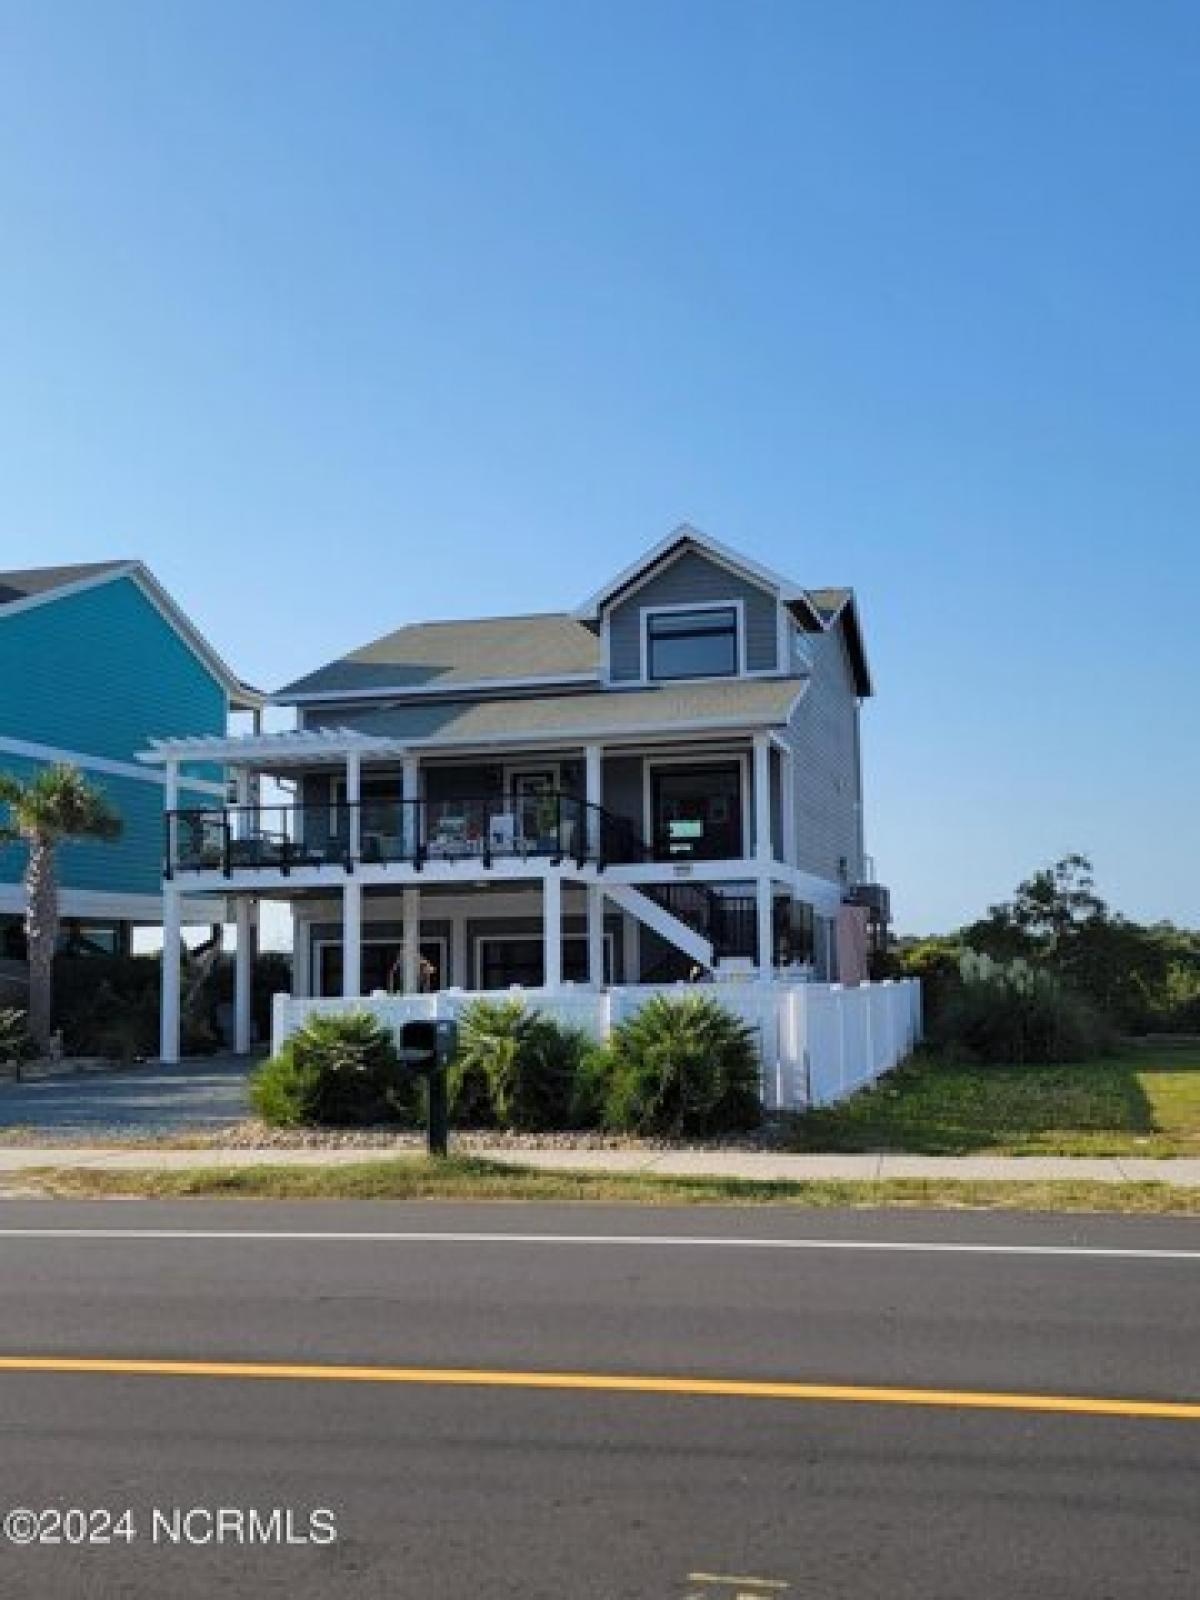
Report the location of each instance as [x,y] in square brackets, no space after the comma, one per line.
[25,588]
[548,647]
[682,538]
[817,610]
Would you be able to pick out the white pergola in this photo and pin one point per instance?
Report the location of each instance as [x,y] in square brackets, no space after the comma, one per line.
[274,753]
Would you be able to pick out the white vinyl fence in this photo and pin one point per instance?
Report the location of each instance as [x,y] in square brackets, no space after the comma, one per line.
[818,1042]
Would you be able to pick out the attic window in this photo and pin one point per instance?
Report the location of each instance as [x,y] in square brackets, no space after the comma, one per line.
[692,644]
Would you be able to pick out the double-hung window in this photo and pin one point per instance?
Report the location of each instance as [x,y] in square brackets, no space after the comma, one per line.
[692,644]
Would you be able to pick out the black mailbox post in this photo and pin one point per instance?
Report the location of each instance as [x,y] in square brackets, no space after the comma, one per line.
[427,1048]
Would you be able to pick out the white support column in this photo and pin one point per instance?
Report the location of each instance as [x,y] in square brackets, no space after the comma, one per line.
[301,959]
[411,769]
[242,974]
[766,929]
[552,929]
[168,1047]
[787,786]
[762,798]
[353,796]
[170,806]
[352,939]
[593,755]
[411,901]
[595,935]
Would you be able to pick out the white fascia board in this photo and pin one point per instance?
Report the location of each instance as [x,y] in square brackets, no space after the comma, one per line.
[248,699]
[442,691]
[657,554]
[162,602]
[604,735]
[80,586]
[102,905]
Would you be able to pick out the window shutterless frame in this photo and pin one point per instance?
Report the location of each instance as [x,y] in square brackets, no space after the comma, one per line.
[696,641]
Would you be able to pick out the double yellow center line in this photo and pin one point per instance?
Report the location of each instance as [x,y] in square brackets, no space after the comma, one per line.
[612,1383]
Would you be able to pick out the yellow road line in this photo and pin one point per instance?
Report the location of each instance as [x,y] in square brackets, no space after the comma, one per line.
[612,1383]
[755,1583]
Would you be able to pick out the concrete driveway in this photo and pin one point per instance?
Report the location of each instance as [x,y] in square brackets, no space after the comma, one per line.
[140,1102]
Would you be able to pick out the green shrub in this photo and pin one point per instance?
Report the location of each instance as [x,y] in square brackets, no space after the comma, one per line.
[1013,1012]
[515,1067]
[15,1042]
[340,1069]
[680,1067]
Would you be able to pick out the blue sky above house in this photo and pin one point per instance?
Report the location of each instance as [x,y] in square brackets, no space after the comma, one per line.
[341,317]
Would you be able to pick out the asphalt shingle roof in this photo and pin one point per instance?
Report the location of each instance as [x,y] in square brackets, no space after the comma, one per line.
[432,655]
[758,702]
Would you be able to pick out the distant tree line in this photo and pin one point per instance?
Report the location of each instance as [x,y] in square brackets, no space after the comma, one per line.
[1143,978]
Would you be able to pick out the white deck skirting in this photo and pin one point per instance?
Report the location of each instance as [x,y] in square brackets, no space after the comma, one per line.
[818,1042]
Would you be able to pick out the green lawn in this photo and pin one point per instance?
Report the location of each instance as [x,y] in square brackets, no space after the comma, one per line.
[469,1178]
[1143,1102]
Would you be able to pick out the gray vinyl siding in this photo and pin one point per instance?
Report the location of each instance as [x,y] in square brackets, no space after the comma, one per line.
[823,734]
[692,578]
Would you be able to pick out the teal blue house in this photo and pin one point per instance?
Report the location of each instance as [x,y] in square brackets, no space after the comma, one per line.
[95,661]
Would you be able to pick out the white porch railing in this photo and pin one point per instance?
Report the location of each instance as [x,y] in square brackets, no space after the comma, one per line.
[818,1042]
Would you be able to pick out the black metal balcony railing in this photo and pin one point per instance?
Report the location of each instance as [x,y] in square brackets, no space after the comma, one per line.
[372,832]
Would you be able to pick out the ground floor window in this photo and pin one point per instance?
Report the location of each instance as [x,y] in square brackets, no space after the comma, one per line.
[382,965]
[502,961]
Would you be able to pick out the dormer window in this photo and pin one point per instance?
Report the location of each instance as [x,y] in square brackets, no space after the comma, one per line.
[700,642]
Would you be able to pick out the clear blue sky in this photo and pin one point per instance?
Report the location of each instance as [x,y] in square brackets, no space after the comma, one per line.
[345,315]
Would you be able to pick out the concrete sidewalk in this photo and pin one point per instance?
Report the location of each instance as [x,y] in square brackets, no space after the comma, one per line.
[1183,1172]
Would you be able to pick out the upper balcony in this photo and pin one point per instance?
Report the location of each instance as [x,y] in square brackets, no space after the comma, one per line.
[551,826]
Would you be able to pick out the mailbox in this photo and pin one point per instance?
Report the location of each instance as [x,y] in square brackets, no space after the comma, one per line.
[427,1048]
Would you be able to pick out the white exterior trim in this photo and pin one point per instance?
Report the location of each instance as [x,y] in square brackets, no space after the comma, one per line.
[80,586]
[515,769]
[709,758]
[645,613]
[312,746]
[32,751]
[100,905]
[667,551]
[167,609]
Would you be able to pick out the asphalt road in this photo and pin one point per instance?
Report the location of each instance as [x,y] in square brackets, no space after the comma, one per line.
[442,1492]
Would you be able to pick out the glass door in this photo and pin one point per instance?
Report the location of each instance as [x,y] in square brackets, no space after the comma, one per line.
[697,812]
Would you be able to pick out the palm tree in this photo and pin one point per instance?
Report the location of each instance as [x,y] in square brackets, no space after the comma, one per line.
[56,805]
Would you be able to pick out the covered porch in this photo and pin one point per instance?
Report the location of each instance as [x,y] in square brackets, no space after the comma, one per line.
[413,870]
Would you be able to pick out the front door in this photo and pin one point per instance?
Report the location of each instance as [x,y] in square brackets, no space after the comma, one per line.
[529,782]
